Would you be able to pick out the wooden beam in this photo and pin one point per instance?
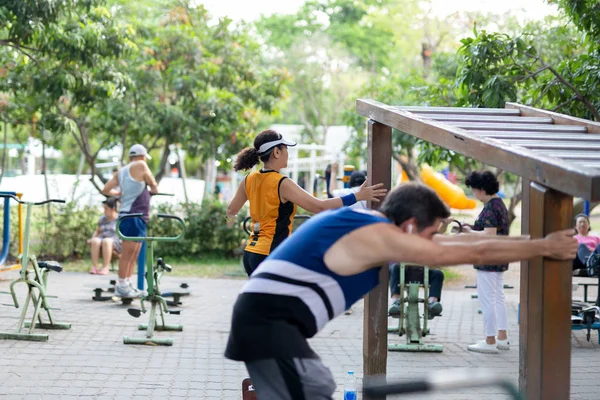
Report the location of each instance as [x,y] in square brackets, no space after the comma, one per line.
[379,170]
[551,172]
[487,118]
[581,137]
[459,110]
[571,154]
[592,127]
[550,145]
[482,126]
[545,359]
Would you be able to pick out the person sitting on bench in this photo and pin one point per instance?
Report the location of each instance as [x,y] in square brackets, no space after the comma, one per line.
[415,273]
[104,239]
[588,254]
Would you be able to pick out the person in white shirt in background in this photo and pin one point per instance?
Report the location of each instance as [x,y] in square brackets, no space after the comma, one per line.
[356,180]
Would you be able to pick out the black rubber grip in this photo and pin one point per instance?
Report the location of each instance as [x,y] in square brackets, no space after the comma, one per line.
[15,198]
[397,388]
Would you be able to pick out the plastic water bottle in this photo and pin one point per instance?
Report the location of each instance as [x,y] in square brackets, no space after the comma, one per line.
[350,392]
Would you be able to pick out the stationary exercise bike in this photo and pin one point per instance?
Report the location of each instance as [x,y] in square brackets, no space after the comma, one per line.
[154,272]
[409,323]
[34,274]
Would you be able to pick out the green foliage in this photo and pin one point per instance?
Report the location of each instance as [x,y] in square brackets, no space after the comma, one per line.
[206,230]
[585,15]
[66,236]
[115,71]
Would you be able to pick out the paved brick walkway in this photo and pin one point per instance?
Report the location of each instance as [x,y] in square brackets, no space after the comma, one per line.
[90,361]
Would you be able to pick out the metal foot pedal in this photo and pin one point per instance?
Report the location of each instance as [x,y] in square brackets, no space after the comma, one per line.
[98,295]
[134,312]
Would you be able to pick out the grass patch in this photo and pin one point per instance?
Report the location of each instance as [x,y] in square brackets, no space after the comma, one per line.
[203,267]
[451,274]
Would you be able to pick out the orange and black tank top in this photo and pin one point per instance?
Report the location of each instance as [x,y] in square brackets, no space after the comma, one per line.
[271,219]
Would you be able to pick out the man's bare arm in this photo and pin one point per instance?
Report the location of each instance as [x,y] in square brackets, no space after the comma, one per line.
[149,179]
[379,243]
[472,237]
[109,187]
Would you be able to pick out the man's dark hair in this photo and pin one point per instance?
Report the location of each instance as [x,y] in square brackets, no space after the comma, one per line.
[414,200]
[111,202]
[483,180]
[357,178]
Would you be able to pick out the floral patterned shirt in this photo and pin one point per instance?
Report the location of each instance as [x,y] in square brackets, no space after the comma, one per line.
[493,215]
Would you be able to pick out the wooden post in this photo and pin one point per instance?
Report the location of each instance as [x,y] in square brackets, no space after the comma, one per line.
[524,287]
[545,328]
[379,170]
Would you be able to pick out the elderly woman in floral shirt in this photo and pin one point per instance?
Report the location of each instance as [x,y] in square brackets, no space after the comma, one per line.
[493,220]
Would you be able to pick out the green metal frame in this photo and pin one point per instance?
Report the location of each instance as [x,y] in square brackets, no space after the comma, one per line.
[409,323]
[35,279]
[158,304]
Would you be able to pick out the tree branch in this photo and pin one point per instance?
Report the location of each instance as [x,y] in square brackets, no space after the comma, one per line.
[579,95]
[21,49]
[532,74]
[561,105]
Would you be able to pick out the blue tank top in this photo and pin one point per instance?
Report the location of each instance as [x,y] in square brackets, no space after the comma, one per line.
[292,294]
[135,198]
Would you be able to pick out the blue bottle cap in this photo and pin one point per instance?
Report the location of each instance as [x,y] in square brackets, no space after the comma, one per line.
[350,372]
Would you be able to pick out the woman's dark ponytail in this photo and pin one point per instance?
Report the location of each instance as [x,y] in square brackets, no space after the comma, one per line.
[246,159]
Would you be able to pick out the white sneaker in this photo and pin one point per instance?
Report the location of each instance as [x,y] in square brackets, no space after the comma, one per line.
[132,286]
[503,344]
[482,347]
[125,291]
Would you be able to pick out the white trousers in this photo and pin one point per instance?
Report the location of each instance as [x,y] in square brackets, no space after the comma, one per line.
[490,291]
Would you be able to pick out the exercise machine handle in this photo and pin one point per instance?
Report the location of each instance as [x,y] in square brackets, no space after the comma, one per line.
[180,221]
[39,203]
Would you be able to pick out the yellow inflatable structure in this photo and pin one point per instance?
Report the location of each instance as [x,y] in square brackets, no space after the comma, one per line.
[451,194]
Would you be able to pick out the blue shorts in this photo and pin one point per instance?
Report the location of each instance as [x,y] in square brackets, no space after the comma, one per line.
[133,227]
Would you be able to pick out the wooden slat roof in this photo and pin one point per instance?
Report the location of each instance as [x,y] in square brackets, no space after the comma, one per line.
[556,150]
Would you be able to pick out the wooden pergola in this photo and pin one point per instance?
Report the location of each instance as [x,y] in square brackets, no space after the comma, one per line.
[557,156]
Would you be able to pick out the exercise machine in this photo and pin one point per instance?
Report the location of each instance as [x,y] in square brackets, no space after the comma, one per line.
[153,274]
[409,320]
[33,274]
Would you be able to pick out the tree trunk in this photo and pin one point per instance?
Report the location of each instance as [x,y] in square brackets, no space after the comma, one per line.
[514,201]
[163,162]
[409,166]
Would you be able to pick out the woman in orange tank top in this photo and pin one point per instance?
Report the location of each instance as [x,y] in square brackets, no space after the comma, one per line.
[273,197]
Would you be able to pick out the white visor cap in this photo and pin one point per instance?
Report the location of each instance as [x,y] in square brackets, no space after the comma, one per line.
[265,147]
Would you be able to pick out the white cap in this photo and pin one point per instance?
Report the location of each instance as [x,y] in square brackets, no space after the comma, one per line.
[265,147]
[138,150]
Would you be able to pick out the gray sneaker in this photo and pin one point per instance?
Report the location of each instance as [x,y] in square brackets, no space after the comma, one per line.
[140,292]
[435,310]
[126,291]
[394,310]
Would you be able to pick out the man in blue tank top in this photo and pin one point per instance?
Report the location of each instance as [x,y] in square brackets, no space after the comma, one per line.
[135,198]
[331,262]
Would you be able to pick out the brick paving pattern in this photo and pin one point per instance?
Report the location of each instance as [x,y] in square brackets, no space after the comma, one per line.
[90,361]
